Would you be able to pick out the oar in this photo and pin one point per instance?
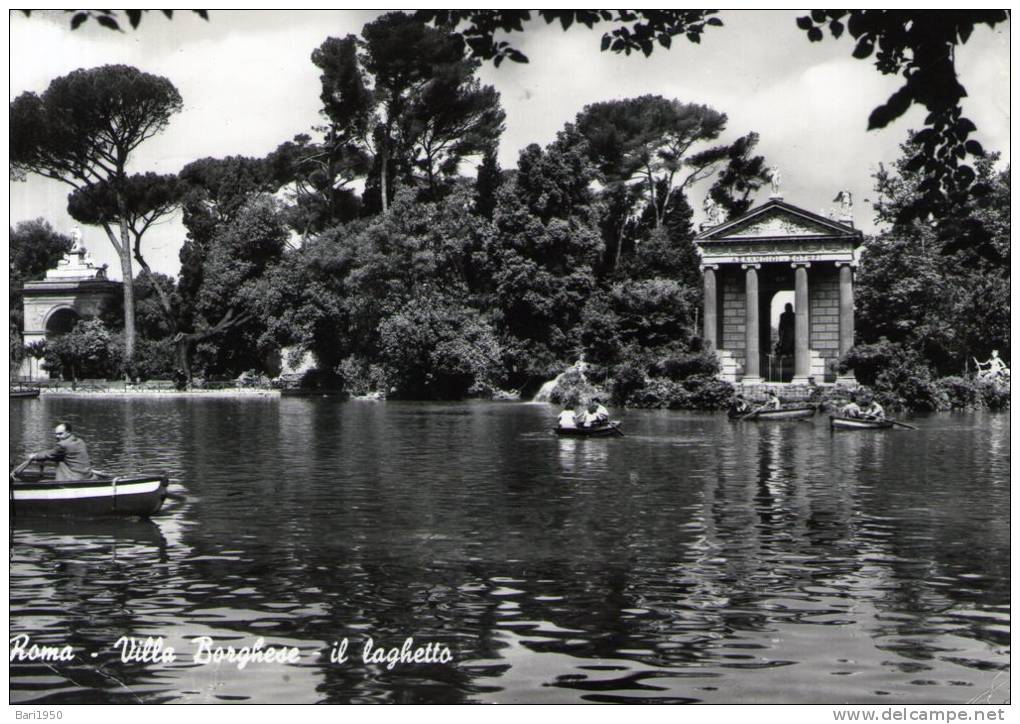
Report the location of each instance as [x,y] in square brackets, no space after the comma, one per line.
[903,424]
[616,428]
[17,470]
[752,413]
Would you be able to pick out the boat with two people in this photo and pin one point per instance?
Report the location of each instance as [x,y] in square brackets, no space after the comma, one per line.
[771,410]
[589,420]
[863,412]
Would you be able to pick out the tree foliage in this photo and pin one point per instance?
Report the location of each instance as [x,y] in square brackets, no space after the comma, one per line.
[543,252]
[648,141]
[82,131]
[937,292]
[34,247]
[111,19]
[920,45]
[428,109]
[240,254]
[634,31]
[650,152]
[89,350]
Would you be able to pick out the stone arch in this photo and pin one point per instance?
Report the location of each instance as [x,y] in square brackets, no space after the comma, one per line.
[61,320]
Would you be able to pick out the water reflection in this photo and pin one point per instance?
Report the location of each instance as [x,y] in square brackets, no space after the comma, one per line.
[692,560]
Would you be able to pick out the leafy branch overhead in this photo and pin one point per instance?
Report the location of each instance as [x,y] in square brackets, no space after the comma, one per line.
[919,45]
[635,31]
[109,18]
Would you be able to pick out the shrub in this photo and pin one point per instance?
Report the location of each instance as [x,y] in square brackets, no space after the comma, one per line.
[154,358]
[628,379]
[706,392]
[357,375]
[680,366]
[994,393]
[698,392]
[959,393]
[868,361]
[658,393]
[89,350]
[910,387]
[431,349]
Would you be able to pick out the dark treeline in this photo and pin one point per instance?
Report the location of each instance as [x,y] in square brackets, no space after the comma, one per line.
[388,244]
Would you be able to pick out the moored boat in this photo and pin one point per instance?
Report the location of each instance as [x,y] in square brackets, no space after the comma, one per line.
[608,430]
[122,495]
[22,392]
[785,413]
[859,423]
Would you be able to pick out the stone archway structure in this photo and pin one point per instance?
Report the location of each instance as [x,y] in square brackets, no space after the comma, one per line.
[775,247]
[75,289]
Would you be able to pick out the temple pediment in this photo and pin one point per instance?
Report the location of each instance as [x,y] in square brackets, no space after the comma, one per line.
[778,221]
[777,232]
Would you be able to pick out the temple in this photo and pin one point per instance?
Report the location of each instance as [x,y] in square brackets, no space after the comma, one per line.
[76,289]
[774,248]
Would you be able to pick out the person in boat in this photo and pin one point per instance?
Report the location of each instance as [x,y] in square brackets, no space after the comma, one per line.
[740,405]
[597,415]
[571,417]
[70,455]
[872,410]
[851,409]
[772,401]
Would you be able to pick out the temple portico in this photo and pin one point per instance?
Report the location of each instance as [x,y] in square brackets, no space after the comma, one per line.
[772,249]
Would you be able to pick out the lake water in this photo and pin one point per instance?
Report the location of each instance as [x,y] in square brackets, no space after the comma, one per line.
[694,560]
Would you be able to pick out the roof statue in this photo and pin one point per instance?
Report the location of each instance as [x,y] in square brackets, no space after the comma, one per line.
[776,179]
[846,204]
[76,246]
[713,212]
[77,263]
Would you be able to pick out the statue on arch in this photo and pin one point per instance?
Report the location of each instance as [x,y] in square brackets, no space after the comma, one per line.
[76,246]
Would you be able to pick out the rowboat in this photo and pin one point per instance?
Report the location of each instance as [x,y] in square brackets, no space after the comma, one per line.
[23,392]
[859,423]
[785,413]
[124,495]
[608,430]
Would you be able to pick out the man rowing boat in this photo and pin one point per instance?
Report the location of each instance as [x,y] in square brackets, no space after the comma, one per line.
[70,454]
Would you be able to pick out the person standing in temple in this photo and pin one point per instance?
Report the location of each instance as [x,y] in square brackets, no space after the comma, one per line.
[787,325]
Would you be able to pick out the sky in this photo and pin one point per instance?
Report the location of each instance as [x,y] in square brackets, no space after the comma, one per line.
[248,84]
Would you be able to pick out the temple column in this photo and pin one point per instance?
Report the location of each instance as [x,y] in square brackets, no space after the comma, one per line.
[710,321]
[752,351]
[801,329]
[846,316]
